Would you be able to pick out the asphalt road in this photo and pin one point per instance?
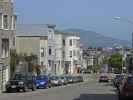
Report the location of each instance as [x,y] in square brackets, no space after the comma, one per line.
[90,90]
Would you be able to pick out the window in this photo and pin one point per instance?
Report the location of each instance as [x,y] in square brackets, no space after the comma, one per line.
[5,21]
[0,20]
[74,53]
[78,43]
[14,41]
[70,54]
[5,48]
[42,63]
[63,54]
[50,51]
[13,21]
[74,42]
[49,62]
[70,42]
[64,42]
[42,52]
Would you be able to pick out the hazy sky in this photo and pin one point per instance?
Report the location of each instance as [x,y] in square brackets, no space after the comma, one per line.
[94,15]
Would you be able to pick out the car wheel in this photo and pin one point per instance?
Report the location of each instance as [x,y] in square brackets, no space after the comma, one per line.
[49,85]
[25,89]
[8,91]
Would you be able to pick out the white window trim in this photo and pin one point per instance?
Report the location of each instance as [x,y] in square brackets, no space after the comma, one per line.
[3,22]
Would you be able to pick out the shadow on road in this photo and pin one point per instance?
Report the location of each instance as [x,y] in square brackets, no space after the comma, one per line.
[97,97]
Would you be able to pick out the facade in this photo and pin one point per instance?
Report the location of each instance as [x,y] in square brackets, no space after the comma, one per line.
[92,57]
[35,45]
[59,53]
[7,39]
[51,48]
[41,30]
[72,53]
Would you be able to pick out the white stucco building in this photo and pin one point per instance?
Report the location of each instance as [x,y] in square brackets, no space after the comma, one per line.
[72,52]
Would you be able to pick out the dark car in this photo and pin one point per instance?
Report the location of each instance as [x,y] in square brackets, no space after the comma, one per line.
[80,78]
[42,81]
[21,81]
[126,89]
[117,80]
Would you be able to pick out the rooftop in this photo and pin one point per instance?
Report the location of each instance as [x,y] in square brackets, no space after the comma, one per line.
[32,29]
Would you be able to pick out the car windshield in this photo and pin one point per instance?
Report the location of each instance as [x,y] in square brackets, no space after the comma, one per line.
[62,77]
[19,77]
[54,78]
[103,77]
[41,77]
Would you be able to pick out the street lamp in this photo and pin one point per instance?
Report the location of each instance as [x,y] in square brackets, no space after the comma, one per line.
[122,19]
[117,18]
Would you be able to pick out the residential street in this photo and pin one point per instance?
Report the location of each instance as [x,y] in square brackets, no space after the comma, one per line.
[90,90]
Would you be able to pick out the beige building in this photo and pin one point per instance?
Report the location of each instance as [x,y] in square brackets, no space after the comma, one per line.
[59,53]
[36,45]
[7,39]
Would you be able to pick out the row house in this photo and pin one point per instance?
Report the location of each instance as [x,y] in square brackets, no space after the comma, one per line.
[7,39]
[72,52]
[33,45]
[59,53]
[92,57]
[63,49]
[38,39]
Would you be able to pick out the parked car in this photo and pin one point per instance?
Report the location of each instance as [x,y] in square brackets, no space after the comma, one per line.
[80,79]
[74,79]
[126,88]
[42,81]
[21,81]
[55,81]
[69,79]
[117,80]
[64,80]
[104,78]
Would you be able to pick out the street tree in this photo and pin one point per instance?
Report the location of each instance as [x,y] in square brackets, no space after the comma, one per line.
[115,61]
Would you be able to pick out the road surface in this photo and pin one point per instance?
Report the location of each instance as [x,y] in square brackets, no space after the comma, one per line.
[89,90]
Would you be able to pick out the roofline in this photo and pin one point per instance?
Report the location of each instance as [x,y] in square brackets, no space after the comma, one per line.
[29,36]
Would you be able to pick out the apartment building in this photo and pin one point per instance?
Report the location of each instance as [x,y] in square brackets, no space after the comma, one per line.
[59,53]
[7,39]
[72,53]
[41,30]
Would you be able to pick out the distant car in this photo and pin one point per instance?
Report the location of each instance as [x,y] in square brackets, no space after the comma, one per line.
[42,81]
[126,89]
[55,81]
[21,81]
[104,78]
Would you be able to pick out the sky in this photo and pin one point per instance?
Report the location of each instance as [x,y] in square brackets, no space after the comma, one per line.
[93,15]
